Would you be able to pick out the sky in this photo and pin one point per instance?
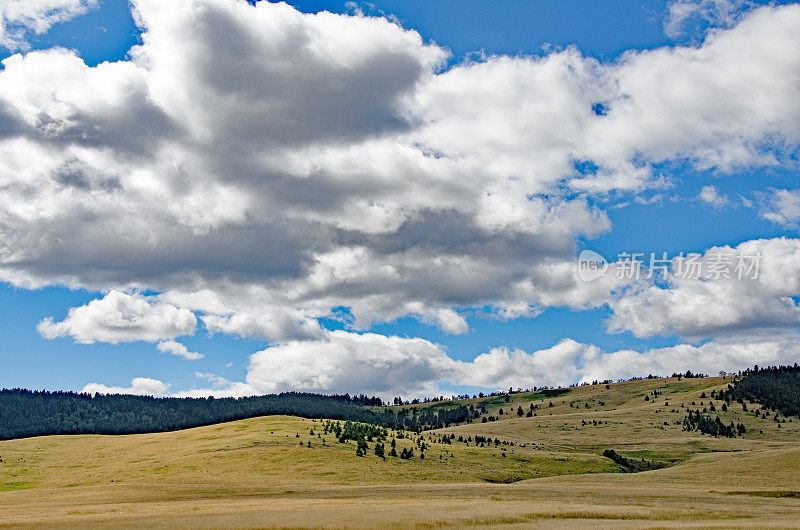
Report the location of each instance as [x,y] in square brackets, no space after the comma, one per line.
[216,197]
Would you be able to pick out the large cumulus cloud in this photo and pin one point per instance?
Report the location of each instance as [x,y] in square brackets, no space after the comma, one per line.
[746,288]
[258,167]
[121,317]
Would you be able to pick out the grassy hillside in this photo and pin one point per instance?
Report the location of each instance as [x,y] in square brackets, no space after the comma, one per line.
[619,417]
[262,472]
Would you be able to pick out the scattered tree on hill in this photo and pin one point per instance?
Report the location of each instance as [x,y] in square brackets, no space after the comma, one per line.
[697,421]
[631,464]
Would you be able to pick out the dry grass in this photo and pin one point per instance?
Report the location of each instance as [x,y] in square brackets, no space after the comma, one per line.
[255,473]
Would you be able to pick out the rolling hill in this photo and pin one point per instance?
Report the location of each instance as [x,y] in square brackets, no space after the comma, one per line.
[540,460]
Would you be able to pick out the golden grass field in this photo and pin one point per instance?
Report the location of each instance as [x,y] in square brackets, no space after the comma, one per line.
[256,473]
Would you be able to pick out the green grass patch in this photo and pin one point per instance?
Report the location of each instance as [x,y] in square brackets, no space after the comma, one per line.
[21,485]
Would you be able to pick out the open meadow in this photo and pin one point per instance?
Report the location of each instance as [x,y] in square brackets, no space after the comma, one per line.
[544,468]
[399,264]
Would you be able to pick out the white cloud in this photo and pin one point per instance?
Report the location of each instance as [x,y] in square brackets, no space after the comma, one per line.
[451,322]
[782,207]
[140,386]
[261,321]
[712,196]
[308,162]
[220,387]
[20,18]
[176,348]
[750,286]
[733,353]
[411,367]
[570,361]
[692,17]
[343,361]
[655,199]
[503,367]
[121,317]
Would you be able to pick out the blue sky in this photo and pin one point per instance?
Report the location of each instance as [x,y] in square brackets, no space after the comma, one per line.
[689,202]
[601,29]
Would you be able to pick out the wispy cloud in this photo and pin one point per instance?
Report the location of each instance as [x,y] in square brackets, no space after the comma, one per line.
[21,18]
